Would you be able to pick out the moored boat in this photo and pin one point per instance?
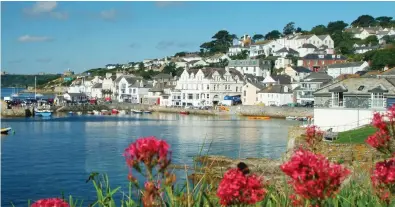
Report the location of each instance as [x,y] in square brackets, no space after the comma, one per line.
[105,112]
[147,112]
[44,113]
[291,118]
[122,112]
[79,113]
[90,112]
[136,111]
[5,130]
[114,111]
[95,112]
[184,112]
[259,117]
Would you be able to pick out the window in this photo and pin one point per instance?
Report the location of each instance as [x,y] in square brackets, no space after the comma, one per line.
[197,96]
[190,96]
[377,100]
[245,93]
[130,90]
[237,88]
[208,96]
[183,96]
[214,87]
[208,87]
[360,88]
[134,91]
[337,99]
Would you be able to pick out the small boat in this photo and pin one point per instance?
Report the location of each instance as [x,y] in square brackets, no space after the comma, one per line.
[147,112]
[184,112]
[291,118]
[44,113]
[259,117]
[122,112]
[79,113]
[5,130]
[71,113]
[302,118]
[114,111]
[136,111]
[105,112]
[90,112]
[95,112]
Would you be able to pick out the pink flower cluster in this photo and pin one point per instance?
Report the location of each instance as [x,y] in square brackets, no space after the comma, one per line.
[383,178]
[237,188]
[148,150]
[313,135]
[50,202]
[313,176]
[381,139]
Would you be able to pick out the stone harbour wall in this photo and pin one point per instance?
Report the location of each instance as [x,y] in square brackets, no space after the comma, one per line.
[275,112]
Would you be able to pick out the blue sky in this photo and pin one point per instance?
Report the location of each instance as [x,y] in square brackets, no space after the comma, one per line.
[53,36]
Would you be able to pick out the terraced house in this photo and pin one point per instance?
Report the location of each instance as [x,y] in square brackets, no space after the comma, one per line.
[350,103]
[208,86]
[256,67]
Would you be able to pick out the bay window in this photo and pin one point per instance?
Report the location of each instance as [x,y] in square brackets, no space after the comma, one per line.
[337,99]
[377,100]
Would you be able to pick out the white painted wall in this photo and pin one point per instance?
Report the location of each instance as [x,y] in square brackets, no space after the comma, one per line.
[275,98]
[342,119]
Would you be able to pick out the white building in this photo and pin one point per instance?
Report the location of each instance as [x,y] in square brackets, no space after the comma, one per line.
[208,86]
[266,48]
[306,49]
[235,50]
[286,51]
[276,95]
[255,67]
[360,49]
[131,88]
[350,103]
[297,73]
[191,57]
[75,97]
[295,41]
[111,66]
[217,58]
[97,91]
[196,63]
[336,70]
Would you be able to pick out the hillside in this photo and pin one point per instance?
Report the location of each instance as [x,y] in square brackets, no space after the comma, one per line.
[26,80]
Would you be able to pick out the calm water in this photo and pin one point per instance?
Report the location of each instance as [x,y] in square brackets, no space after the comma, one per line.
[8,91]
[46,157]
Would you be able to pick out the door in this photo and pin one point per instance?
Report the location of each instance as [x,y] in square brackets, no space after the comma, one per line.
[390,102]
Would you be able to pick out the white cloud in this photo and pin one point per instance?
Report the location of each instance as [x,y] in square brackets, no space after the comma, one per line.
[29,38]
[108,14]
[45,8]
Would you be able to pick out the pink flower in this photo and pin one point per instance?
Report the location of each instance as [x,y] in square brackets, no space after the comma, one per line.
[378,121]
[383,178]
[50,202]
[379,140]
[149,150]
[237,188]
[313,135]
[313,177]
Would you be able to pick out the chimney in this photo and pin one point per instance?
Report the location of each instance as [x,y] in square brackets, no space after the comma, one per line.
[141,83]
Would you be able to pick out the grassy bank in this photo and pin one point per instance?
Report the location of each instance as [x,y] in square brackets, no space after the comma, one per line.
[356,136]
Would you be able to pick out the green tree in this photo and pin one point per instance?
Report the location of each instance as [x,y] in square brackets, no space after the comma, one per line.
[364,21]
[384,21]
[141,66]
[274,34]
[221,42]
[372,39]
[289,28]
[384,57]
[170,68]
[336,26]
[343,42]
[319,30]
[241,56]
[298,30]
[257,37]
[180,54]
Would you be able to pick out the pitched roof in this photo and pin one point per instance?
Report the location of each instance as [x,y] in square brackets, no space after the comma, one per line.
[315,76]
[304,36]
[276,89]
[97,85]
[346,65]
[76,94]
[322,37]
[301,69]
[259,85]
[287,49]
[159,87]
[359,86]
[308,45]
[324,57]
[208,72]
[282,79]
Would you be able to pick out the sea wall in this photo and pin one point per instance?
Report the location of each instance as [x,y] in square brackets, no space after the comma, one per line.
[276,112]
[14,111]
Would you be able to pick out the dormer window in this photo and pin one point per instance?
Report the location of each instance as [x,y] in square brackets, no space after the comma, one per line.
[378,100]
[360,88]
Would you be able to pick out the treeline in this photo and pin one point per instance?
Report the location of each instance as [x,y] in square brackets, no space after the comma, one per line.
[26,80]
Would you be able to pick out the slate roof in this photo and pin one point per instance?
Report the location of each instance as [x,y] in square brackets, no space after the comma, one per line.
[208,72]
[345,65]
[282,79]
[159,87]
[353,84]
[76,94]
[244,63]
[258,85]
[301,69]
[308,45]
[275,89]
[322,37]
[289,50]
[326,57]
[253,78]
[315,76]
[97,85]
[303,37]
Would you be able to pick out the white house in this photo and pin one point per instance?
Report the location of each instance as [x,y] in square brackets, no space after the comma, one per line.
[267,48]
[196,63]
[286,51]
[111,66]
[295,41]
[97,91]
[306,49]
[350,103]
[297,73]
[75,97]
[208,86]
[250,90]
[250,66]
[181,63]
[276,80]
[217,58]
[131,88]
[335,70]
[191,57]
[235,50]
[277,95]
[282,62]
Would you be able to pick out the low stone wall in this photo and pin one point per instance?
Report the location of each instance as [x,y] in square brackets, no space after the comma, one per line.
[14,112]
[348,153]
[275,112]
[191,111]
[82,108]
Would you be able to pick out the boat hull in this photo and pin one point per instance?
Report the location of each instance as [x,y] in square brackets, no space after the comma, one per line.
[184,112]
[5,130]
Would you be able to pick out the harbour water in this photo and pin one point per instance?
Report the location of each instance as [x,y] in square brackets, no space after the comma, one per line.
[46,157]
